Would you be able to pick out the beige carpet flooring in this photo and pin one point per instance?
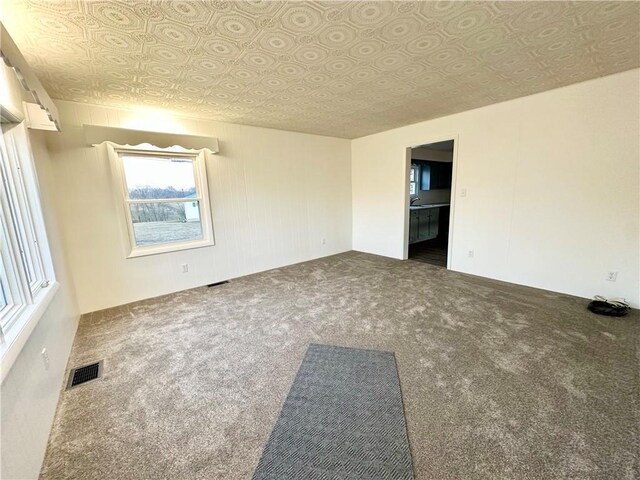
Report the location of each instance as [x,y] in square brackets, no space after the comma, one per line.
[499,381]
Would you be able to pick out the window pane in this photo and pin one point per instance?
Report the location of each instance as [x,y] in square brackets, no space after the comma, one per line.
[18,228]
[22,245]
[152,177]
[157,223]
[3,296]
[16,175]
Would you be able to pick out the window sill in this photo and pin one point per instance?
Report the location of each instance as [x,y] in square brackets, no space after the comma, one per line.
[17,336]
[144,251]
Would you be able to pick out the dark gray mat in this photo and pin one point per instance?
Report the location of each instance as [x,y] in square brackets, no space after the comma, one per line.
[343,419]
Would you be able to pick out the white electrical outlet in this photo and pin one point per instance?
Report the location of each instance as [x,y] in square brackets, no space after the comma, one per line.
[463,192]
[470,253]
[185,268]
[612,276]
[323,241]
[45,358]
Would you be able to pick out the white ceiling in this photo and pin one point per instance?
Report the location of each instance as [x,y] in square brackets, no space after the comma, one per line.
[344,69]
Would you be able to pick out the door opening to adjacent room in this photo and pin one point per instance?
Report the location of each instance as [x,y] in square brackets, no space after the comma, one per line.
[430,181]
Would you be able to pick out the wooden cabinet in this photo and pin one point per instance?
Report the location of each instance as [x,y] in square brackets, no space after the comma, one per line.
[435,175]
[413,225]
[423,224]
[434,220]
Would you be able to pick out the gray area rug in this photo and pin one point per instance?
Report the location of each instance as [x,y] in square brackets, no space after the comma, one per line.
[343,419]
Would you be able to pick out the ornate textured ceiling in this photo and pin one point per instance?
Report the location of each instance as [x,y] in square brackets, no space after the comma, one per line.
[344,69]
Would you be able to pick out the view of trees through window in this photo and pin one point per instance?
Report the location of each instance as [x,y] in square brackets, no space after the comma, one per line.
[170,222]
[167,184]
[159,212]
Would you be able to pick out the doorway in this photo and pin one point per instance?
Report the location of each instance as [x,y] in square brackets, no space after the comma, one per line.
[430,186]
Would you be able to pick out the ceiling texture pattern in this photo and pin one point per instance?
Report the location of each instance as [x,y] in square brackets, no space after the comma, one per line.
[343,69]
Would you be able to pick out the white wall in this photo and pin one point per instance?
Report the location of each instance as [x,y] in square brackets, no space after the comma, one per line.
[552,186]
[29,393]
[275,195]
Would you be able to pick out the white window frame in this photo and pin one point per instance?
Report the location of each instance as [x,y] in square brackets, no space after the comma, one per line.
[23,240]
[415,169]
[198,157]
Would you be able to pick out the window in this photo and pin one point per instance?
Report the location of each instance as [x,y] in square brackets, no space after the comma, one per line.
[414,175]
[25,263]
[166,204]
